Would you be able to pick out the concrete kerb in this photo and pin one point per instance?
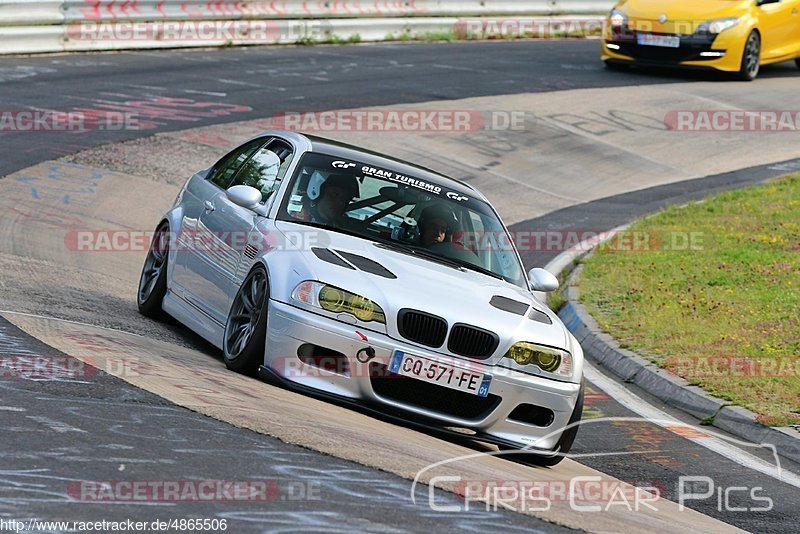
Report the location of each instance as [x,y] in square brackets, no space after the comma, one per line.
[57,38]
[673,390]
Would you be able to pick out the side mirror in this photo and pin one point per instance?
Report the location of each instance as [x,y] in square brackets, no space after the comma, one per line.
[542,280]
[244,196]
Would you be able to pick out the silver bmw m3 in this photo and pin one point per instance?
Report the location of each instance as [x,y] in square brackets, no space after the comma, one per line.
[371,282]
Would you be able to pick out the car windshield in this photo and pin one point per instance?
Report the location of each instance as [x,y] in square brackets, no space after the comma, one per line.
[411,215]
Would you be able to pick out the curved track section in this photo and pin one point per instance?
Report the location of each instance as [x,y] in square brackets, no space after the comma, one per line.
[578,147]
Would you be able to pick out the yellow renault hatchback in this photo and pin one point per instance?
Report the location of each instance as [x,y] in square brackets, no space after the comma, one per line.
[735,36]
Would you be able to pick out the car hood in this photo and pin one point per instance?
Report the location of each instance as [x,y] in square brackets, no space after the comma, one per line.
[456,295]
[695,11]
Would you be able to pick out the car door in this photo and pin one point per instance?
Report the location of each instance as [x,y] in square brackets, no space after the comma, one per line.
[779,26]
[197,196]
[794,29]
[216,275]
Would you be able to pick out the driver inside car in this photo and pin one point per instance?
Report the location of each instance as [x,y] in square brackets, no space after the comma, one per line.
[435,225]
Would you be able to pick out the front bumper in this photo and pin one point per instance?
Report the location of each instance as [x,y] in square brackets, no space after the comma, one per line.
[290,329]
[623,47]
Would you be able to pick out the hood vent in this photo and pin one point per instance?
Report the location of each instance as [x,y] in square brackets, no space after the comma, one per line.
[367,265]
[519,308]
[326,255]
[352,262]
[509,305]
[539,317]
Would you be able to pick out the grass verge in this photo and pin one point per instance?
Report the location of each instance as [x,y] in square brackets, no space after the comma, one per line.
[712,293]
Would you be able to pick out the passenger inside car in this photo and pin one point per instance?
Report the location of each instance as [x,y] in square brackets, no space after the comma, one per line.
[327,201]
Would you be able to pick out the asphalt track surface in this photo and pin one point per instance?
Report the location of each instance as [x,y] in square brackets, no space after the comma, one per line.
[272,80]
[132,429]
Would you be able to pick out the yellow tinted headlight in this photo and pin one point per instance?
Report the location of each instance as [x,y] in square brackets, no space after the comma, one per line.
[336,300]
[520,354]
[332,299]
[362,308]
[548,362]
[547,359]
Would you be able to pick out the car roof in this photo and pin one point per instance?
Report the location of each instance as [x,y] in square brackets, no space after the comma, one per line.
[375,159]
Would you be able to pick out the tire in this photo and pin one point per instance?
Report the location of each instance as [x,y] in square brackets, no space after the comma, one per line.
[564,443]
[797,62]
[246,329]
[751,58]
[153,281]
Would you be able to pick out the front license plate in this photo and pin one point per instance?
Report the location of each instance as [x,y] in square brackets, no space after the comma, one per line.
[665,41]
[439,373]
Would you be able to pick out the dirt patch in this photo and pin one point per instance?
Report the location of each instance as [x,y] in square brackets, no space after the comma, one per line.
[158,158]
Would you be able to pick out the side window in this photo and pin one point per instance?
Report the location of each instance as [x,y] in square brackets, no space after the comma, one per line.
[266,168]
[477,222]
[226,168]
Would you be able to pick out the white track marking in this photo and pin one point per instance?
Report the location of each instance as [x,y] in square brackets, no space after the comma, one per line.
[56,426]
[707,439]
[238,82]
[207,93]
